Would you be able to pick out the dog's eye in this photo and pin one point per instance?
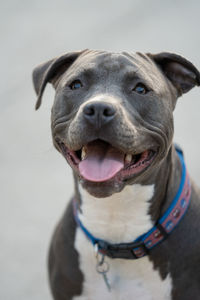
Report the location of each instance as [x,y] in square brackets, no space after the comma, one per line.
[76,84]
[140,89]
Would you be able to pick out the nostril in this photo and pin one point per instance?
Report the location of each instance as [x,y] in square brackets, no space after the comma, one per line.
[108,112]
[89,110]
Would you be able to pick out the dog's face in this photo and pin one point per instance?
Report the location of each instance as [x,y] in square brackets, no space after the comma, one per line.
[112,117]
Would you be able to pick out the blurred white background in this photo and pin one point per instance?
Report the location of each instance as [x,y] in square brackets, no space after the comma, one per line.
[35,181]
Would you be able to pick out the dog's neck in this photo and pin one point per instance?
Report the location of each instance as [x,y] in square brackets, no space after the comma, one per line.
[124,216]
[120,217]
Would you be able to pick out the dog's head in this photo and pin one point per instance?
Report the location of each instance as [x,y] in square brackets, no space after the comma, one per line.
[112,117]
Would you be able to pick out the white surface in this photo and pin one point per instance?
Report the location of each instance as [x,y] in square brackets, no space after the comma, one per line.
[35,180]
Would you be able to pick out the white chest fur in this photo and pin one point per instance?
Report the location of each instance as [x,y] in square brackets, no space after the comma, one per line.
[119,218]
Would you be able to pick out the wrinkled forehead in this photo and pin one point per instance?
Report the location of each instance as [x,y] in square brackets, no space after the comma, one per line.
[120,64]
[109,61]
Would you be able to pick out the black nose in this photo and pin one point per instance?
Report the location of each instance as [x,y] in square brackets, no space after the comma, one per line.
[99,113]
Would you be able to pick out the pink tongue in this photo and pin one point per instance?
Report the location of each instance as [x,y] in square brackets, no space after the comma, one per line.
[102,162]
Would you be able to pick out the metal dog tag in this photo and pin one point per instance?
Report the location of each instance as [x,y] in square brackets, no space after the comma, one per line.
[102,267]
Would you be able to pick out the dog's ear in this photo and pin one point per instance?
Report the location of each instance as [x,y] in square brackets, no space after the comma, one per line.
[50,71]
[181,72]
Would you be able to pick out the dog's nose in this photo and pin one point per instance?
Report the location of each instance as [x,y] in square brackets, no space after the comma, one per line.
[99,113]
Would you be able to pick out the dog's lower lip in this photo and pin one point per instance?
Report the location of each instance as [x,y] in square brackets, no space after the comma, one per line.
[139,163]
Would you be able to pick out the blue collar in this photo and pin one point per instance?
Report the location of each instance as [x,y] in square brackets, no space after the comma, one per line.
[164,226]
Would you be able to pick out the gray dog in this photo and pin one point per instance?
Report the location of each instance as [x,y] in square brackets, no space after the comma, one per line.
[131,231]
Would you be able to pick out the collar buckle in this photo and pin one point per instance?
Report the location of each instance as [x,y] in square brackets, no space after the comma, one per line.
[124,251]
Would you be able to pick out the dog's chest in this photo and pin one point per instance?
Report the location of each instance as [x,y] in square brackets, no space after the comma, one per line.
[119,218]
[129,279]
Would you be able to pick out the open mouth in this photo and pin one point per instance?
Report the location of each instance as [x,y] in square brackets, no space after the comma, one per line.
[99,161]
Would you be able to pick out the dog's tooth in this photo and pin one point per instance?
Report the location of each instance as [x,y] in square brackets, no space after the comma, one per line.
[83,153]
[128,158]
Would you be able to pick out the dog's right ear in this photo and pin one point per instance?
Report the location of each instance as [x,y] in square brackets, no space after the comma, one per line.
[51,71]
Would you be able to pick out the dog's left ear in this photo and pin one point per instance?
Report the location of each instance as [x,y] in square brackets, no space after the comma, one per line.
[51,71]
[181,72]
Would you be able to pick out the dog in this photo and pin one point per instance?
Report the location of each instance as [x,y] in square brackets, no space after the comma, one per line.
[131,230]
